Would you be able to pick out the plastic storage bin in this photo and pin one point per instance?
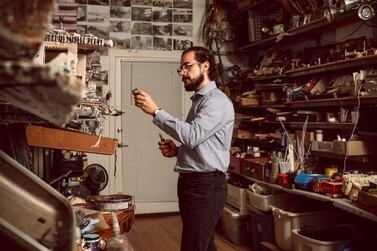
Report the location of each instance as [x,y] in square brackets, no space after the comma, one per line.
[304,243]
[236,227]
[264,202]
[285,222]
[262,228]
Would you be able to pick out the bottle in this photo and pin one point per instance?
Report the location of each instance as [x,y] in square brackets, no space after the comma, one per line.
[117,242]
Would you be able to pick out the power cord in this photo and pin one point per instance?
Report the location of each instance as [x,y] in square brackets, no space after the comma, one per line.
[354,128]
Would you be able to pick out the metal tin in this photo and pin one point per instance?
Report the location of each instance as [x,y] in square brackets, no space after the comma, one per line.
[114,202]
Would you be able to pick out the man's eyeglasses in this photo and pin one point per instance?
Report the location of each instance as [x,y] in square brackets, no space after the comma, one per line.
[186,67]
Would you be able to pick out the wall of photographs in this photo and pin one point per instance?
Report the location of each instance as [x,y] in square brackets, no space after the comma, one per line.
[159,25]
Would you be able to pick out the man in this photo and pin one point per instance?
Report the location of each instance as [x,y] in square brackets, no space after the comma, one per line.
[203,156]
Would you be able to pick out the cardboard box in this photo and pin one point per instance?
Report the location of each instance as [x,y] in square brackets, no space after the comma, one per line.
[254,168]
[322,146]
[355,148]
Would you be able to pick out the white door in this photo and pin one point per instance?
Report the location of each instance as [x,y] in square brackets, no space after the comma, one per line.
[146,174]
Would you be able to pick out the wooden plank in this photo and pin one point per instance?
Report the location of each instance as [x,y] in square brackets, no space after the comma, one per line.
[69,140]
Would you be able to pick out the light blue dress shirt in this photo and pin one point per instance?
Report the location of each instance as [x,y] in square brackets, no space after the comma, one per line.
[206,134]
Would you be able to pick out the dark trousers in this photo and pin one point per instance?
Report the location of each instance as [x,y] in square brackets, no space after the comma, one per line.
[201,203]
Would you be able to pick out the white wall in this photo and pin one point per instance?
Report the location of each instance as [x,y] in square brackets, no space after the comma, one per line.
[112,123]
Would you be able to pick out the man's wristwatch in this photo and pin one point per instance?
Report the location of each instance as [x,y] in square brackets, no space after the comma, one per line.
[156,111]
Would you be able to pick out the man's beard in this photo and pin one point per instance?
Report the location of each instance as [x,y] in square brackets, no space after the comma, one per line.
[194,83]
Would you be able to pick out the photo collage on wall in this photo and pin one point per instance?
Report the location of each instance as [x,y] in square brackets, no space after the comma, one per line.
[160,25]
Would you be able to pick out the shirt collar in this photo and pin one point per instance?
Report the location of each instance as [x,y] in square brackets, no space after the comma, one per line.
[207,88]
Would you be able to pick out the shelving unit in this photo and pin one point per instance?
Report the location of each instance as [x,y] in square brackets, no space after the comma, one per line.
[307,31]
[264,121]
[341,203]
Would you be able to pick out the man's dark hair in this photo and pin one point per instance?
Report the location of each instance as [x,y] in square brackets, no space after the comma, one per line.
[201,55]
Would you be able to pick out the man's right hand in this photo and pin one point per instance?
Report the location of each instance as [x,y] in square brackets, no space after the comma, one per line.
[168,148]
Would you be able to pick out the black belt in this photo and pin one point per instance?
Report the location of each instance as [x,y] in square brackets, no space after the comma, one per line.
[200,174]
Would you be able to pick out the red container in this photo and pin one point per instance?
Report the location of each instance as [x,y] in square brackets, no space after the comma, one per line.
[283,179]
[333,188]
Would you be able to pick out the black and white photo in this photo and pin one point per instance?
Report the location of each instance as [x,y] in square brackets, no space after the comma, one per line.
[98,2]
[121,40]
[162,30]
[182,16]
[182,30]
[141,2]
[99,14]
[141,42]
[180,45]
[162,44]
[120,26]
[125,3]
[184,4]
[120,12]
[81,29]
[162,15]
[141,14]
[140,28]
[101,31]
[81,13]
[163,3]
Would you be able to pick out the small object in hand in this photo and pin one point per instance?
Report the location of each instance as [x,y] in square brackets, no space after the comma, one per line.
[134,91]
[161,137]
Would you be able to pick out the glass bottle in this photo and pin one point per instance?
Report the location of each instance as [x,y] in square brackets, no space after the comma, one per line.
[117,242]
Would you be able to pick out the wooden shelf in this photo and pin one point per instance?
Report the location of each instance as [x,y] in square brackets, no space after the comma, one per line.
[344,101]
[355,63]
[311,29]
[310,125]
[263,144]
[39,90]
[331,155]
[333,66]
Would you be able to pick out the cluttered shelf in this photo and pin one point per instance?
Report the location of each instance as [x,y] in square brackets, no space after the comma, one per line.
[319,102]
[262,143]
[309,125]
[341,203]
[40,90]
[314,27]
[321,68]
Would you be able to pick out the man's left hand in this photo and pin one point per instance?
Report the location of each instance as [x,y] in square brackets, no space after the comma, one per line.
[145,102]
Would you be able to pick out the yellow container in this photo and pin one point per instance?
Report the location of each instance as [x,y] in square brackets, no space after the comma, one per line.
[329,171]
